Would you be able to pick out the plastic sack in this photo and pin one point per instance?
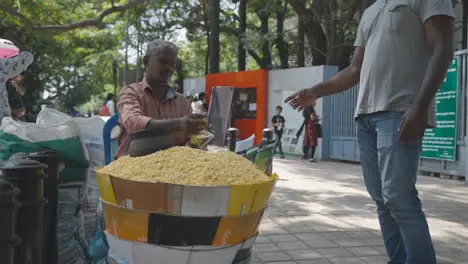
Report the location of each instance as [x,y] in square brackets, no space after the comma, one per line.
[252,153]
[264,158]
[62,138]
[90,132]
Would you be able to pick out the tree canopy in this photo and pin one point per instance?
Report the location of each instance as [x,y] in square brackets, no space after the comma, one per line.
[77,43]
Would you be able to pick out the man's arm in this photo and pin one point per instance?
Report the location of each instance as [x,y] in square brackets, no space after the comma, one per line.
[439,37]
[344,79]
[10,67]
[133,118]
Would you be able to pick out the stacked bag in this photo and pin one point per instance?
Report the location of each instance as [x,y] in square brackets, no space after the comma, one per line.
[80,146]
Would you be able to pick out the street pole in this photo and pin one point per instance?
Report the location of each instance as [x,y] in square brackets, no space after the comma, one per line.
[214,10]
[114,71]
[126,50]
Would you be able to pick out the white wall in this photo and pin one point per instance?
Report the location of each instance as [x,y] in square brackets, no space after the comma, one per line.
[193,86]
[282,83]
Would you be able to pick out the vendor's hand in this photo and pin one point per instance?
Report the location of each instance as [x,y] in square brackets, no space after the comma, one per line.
[301,99]
[192,124]
[413,125]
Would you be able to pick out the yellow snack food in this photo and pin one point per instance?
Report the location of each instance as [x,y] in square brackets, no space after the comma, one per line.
[201,139]
[188,166]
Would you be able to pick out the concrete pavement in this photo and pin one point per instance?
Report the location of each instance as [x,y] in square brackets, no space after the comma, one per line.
[320,213]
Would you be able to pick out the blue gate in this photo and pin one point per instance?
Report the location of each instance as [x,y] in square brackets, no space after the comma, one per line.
[339,125]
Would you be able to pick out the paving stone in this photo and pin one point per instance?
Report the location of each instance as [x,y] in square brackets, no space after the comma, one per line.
[324,209]
[347,261]
[265,247]
[336,235]
[320,243]
[349,242]
[281,262]
[309,236]
[375,260]
[362,234]
[282,238]
[262,239]
[273,256]
[372,242]
[315,261]
[381,249]
[304,254]
[334,252]
[295,245]
[364,251]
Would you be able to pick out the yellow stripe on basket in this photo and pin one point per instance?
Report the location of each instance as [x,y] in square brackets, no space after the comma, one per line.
[124,225]
[105,187]
[249,199]
[232,230]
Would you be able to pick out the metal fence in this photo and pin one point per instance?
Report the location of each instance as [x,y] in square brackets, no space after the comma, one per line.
[339,111]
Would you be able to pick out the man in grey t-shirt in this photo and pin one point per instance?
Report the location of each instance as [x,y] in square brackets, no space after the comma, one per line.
[403,50]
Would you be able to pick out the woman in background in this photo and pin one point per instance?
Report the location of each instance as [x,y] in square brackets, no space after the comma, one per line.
[108,108]
[311,135]
[306,146]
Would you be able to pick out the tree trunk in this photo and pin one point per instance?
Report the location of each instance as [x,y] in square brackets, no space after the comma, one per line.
[207,34]
[281,44]
[315,36]
[300,43]
[180,76]
[465,25]
[266,53]
[214,11]
[242,55]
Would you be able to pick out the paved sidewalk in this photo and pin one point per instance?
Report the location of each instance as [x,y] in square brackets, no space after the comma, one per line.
[321,214]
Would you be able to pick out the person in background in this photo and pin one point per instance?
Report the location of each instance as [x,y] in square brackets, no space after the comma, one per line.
[403,51]
[111,104]
[305,145]
[108,107]
[72,111]
[278,122]
[198,104]
[311,135]
[153,104]
[12,64]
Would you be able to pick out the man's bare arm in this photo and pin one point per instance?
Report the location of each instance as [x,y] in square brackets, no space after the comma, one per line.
[344,79]
[439,37]
[169,124]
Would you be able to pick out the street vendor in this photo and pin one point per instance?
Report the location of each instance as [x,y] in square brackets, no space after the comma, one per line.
[12,64]
[152,103]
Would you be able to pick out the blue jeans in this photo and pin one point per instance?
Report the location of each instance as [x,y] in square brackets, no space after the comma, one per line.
[390,171]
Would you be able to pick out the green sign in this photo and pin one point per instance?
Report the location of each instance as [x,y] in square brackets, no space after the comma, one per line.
[441,142]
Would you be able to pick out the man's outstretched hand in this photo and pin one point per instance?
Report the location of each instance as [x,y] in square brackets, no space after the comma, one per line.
[304,98]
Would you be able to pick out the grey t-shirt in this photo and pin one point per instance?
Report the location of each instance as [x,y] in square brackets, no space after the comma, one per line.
[396,53]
